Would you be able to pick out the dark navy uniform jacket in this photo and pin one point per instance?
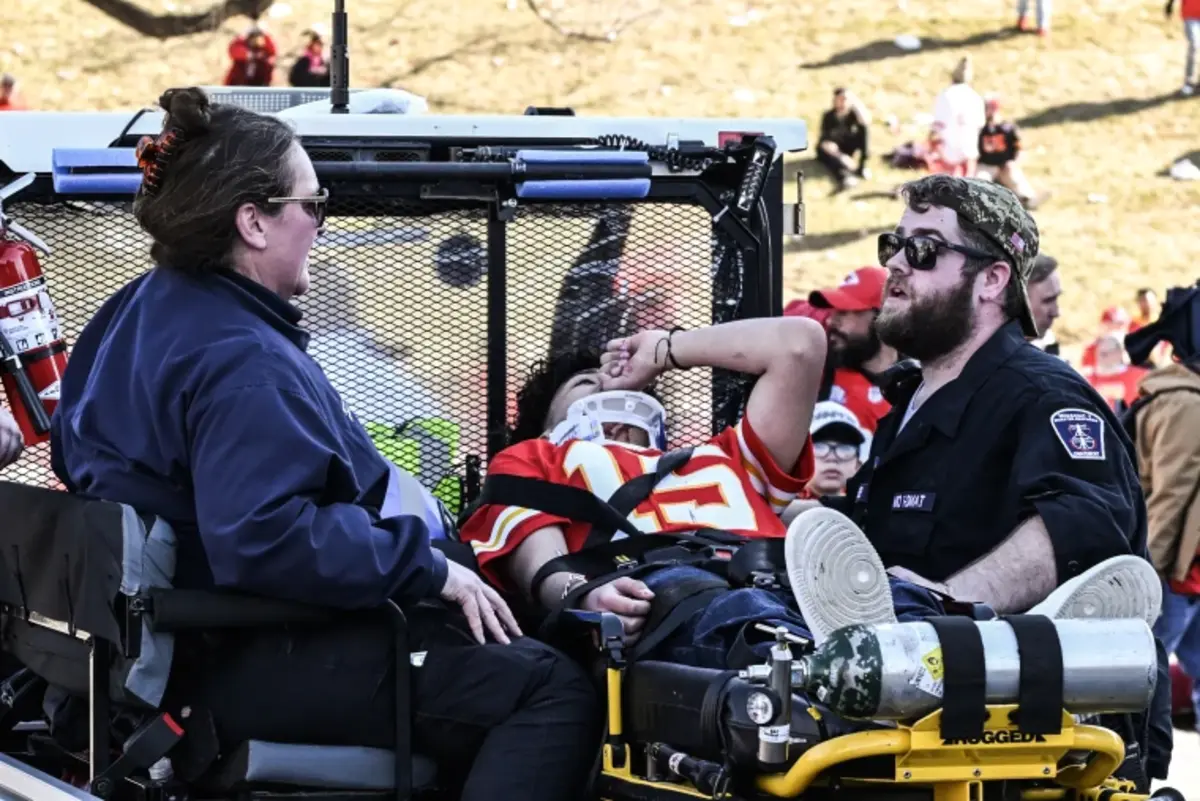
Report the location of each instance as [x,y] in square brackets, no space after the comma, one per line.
[1019,433]
[192,398]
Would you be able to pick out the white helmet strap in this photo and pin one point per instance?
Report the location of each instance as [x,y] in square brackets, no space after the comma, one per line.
[587,417]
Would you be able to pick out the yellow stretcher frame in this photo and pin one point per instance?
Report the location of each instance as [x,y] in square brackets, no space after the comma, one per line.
[951,771]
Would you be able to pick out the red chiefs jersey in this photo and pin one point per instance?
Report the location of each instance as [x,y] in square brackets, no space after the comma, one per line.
[855,391]
[730,483]
[1122,386]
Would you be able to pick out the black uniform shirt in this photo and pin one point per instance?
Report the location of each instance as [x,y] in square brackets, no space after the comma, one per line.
[1019,433]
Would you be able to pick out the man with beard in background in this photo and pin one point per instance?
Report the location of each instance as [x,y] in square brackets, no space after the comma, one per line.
[856,356]
[999,474]
[1044,290]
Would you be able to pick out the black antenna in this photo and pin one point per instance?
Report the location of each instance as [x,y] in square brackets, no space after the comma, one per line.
[339,66]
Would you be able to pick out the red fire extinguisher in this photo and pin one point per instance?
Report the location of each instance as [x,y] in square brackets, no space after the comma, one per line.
[33,354]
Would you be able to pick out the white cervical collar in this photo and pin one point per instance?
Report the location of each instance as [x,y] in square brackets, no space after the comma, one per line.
[587,417]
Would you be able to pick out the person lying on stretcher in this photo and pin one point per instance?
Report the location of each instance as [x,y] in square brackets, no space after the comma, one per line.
[584,423]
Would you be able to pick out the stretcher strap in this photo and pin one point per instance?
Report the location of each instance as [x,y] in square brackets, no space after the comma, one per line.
[619,557]
[670,624]
[964,708]
[559,500]
[632,493]
[1040,696]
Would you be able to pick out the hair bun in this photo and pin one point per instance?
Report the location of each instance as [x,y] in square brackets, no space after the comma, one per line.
[188,111]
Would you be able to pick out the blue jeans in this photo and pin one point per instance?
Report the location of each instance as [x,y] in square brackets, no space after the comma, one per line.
[722,636]
[1043,11]
[1179,630]
[1191,31]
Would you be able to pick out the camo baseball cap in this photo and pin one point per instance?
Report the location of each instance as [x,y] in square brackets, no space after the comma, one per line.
[996,213]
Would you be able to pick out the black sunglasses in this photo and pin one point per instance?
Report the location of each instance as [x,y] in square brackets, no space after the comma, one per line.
[314,205]
[922,251]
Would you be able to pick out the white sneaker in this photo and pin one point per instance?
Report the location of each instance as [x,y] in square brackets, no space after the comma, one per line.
[1124,587]
[835,573]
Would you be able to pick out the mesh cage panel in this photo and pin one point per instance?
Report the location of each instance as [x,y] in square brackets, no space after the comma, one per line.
[398,308]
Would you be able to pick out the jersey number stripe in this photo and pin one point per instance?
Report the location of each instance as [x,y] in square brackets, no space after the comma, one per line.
[711,497]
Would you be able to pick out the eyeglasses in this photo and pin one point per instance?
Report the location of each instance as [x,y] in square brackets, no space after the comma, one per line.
[314,205]
[836,451]
[922,251]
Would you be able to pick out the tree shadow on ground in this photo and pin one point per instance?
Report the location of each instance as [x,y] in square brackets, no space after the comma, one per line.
[167,26]
[883,49]
[832,239]
[1091,111]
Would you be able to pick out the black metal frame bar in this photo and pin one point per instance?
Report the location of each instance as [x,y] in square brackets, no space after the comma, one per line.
[497,330]
[99,712]
[404,710]
[392,171]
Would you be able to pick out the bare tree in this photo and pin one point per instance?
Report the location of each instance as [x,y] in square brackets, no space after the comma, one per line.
[166,26]
[592,20]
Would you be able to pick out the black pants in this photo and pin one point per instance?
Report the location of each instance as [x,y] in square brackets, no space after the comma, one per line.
[516,721]
[853,146]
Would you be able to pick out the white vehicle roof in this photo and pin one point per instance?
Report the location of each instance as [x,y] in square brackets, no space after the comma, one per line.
[29,139]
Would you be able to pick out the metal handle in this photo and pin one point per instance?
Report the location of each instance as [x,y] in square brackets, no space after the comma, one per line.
[29,397]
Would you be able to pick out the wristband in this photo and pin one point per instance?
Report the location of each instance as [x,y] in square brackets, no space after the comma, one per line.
[671,356]
[573,581]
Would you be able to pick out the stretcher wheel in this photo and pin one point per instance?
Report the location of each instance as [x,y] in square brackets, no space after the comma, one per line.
[1169,794]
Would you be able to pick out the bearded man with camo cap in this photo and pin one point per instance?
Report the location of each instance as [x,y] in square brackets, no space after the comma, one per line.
[999,473]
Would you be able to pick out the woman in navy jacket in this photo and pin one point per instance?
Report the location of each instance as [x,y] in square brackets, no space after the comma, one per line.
[190,396]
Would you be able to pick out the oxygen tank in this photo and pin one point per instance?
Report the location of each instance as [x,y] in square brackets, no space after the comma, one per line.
[895,672]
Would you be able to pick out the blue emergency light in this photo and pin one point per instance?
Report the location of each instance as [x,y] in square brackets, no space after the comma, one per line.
[96,171]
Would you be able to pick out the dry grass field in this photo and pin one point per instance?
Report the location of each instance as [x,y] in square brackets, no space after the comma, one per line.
[1098,99]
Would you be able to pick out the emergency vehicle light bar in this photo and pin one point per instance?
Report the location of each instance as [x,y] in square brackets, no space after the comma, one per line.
[537,174]
[586,185]
[96,171]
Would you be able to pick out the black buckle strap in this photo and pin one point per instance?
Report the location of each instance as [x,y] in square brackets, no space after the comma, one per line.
[620,557]
[606,518]
[560,500]
[1040,695]
[633,492]
[755,558]
[673,621]
[964,705]
[151,742]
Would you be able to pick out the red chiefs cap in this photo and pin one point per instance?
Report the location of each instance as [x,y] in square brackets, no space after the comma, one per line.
[802,308]
[860,291]
[1115,315]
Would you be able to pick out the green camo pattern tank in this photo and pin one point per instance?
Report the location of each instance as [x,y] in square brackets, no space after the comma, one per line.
[846,672]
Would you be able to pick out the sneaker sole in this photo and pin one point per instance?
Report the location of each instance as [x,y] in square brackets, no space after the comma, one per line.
[836,575]
[1121,588]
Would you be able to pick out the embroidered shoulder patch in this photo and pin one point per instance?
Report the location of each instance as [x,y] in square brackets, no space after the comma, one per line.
[1081,432]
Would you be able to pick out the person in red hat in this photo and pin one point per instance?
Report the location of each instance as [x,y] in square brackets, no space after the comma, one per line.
[252,57]
[1114,321]
[800,307]
[8,89]
[856,356]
